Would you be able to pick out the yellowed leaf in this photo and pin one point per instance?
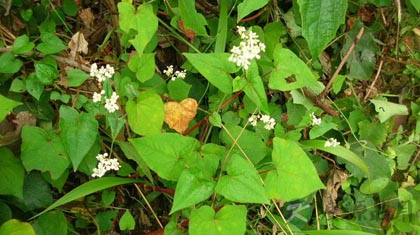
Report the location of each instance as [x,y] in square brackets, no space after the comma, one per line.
[78,44]
[179,115]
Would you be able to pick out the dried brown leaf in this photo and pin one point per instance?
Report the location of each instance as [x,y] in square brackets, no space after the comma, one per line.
[78,44]
[179,115]
[87,17]
[335,180]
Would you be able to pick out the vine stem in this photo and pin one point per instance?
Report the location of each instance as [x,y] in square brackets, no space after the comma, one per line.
[343,61]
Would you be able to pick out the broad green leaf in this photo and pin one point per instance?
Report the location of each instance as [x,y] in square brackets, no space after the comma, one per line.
[131,153]
[143,65]
[53,223]
[373,132]
[339,151]
[45,73]
[105,219]
[272,33]
[320,21]
[12,174]
[22,45]
[42,150]
[252,144]
[336,232]
[371,186]
[191,19]
[34,86]
[15,227]
[254,88]
[50,44]
[26,14]
[9,63]
[168,154]
[230,220]
[387,109]
[127,221]
[416,5]
[146,26]
[294,176]
[321,129]
[381,3]
[145,116]
[76,77]
[115,124]
[78,133]
[36,192]
[248,6]
[178,89]
[70,7]
[87,188]
[209,161]
[6,106]
[191,189]
[18,85]
[242,182]
[289,66]
[5,212]
[215,67]
[215,119]
[126,12]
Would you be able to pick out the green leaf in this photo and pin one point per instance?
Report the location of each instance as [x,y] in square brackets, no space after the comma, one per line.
[373,132]
[115,124]
[78,133]
[387,109]
[18,85]
[36,192]
[215,67]
[131,153]
[320,21]
[191,19]
[252,144]
[126,12]
[372,186]
[289,66]
[381,3]
[321,129]
[242,182]
[26,14]
[15,227]
[105,219]
[146,24]
[12,174]
[76,77]
[127,221]
[416,5]
[53,223]
[178,89]
[339,151]
[335,232]
[70,7]
[294,176]
[34,86]
[87,188]
[6,106]
[22,45]
[254,88]
[45,73]
[230,220]
[50,44]
[168,154]
[143,65]
[9,63]
[146,116]
[248,6]
[215,119]
[42,150]
[191,189]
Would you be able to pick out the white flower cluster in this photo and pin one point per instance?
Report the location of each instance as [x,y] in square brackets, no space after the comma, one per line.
[315,121]
[169,71]
[268,121]
[101,75]
[248,49]
[105,164]
[331,142]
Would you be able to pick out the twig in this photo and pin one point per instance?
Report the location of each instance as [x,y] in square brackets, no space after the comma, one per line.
[253,17]
[148,205]
[318,102]
[340,66]
[374,81]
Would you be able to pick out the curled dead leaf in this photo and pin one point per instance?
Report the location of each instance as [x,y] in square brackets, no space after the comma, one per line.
[87,17]
[335,180]
[179,115]
[78,44]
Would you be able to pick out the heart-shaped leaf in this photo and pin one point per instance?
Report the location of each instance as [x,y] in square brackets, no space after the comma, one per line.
[179,115]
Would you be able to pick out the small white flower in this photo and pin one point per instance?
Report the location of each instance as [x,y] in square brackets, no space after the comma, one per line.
[179,74]
[269,125]
[253,119]
[265,118]
[249,48]
[97,97]
[102,73]
[315,121]
[111,103]
[169,70]
[331,142]
[105,164]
